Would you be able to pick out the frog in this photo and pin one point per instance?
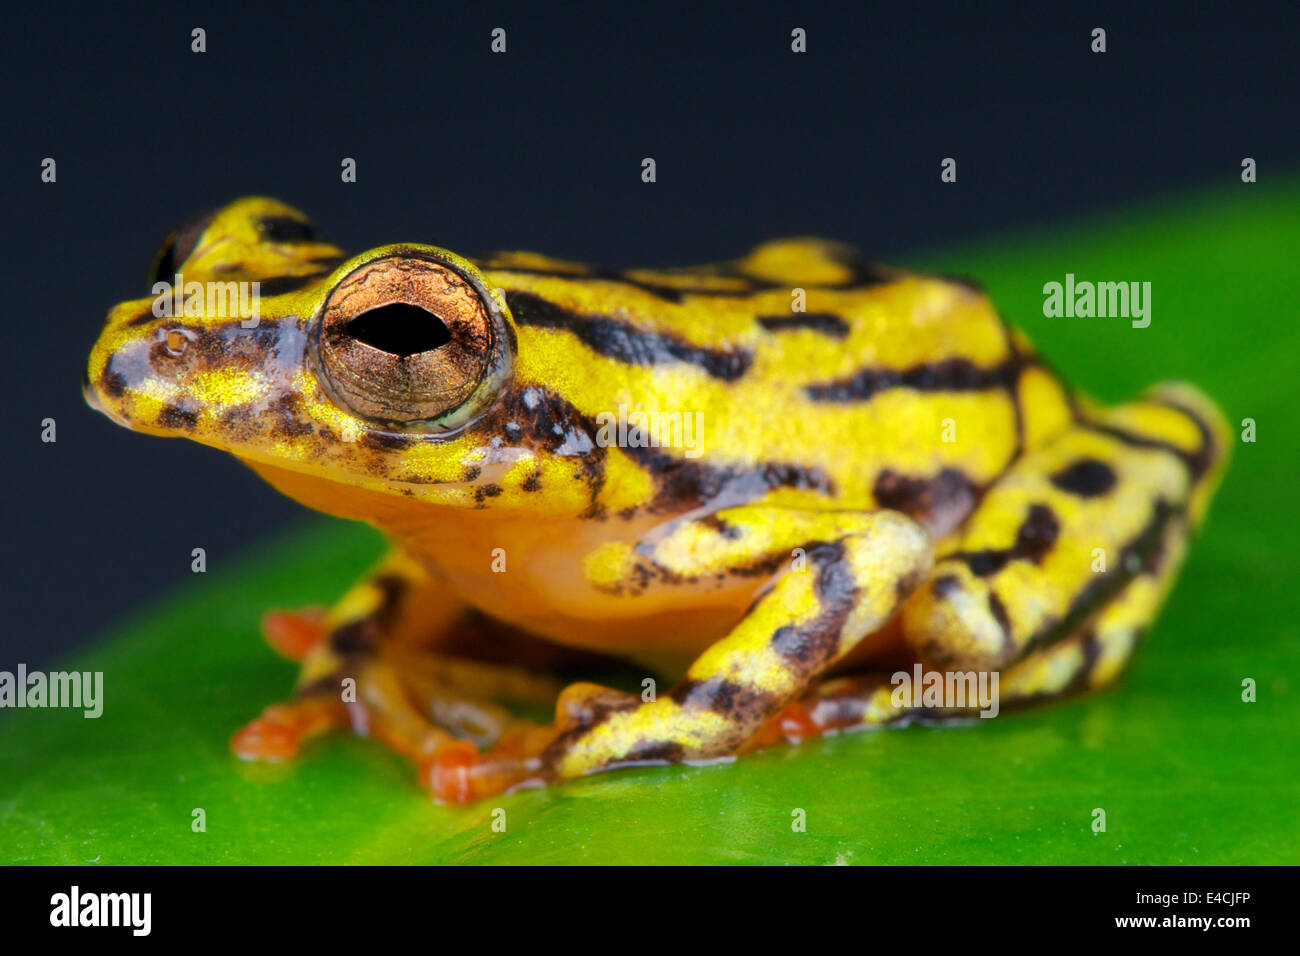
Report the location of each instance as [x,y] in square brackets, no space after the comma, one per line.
[768,483]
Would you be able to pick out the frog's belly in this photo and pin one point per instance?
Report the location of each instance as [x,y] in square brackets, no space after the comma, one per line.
[543,589]
[664,629]
[666,641]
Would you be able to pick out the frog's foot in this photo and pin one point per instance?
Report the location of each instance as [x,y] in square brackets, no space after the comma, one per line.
[464,774]
[367,664]
[842,703]
[414,703]
[280,730]
[278,733]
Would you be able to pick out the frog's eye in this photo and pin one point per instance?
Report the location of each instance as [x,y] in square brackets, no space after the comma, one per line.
[409,339]
[178,246]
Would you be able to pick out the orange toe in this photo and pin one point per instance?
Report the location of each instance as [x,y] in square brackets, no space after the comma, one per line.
[460,774]
[796,722]
[294,634]
[264,739]
[793,724]
[449,772]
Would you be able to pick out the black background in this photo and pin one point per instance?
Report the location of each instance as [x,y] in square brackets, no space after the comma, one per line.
[539,149]
[224,903]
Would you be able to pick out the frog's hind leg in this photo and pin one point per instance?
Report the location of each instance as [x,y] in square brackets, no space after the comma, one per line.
[371,663]
[1087,659]
[1059,568]
[1096,654]
[1065,530]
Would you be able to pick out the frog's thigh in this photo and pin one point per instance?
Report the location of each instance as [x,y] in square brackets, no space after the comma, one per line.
[1062,533]
[855,569]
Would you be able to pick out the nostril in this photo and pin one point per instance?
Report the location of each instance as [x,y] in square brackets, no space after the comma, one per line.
[175,340]
[399,329]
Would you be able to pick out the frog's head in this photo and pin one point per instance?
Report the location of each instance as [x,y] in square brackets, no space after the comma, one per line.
[391,371]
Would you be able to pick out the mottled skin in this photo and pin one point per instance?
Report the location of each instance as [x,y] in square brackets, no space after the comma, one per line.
[889,473]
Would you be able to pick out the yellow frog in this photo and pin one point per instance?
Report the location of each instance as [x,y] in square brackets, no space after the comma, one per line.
[773,480]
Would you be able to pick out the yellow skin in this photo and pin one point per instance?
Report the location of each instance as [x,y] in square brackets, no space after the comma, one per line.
[888,474]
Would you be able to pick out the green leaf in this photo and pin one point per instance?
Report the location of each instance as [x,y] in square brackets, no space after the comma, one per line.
[1185,771]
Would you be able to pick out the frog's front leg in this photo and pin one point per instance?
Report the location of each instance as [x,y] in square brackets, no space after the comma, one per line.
[846,576]
[372,663]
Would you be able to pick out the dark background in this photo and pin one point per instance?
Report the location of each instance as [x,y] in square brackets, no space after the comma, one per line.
[539,149]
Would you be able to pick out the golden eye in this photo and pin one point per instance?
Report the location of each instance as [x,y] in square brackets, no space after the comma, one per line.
[408,338]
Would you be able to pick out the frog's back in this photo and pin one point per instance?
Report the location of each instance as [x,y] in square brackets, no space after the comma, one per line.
[819,380]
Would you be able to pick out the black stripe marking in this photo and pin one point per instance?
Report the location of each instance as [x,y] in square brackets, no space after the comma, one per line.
[1143,553]
[862,275]
[941,501]
[654,752]
[1035,538]
[1087,478]
[362,635]
[825,322]
[725,698]
[1137,554]
[717,523]
[1204,457]
[286,229]
[1197,462]
[279,285]
[689,482]
[144,318]
[1038,534]
[625,342]
[667,293]
[950,375]
[810,646]
[999,612]
[1090,645]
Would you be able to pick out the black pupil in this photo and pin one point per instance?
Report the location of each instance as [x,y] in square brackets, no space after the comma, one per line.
[399,329]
